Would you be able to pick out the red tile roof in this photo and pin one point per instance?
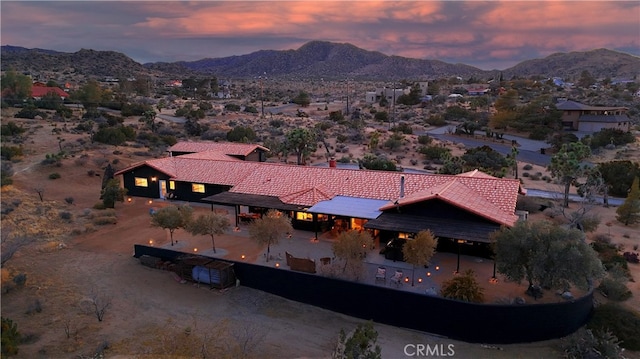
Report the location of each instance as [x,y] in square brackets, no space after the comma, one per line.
[490,197]
[229,148]
[41,91]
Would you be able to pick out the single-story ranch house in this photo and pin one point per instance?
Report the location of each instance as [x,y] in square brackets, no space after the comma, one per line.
[461,209]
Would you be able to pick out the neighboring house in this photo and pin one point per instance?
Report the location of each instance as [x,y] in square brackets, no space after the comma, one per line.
[462,209]
[585,118]
[389,93]
[477,89]
[38,92]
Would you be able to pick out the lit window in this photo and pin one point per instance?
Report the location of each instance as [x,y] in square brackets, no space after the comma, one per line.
[197,187]
[172,185]
[304,216]
[141,182]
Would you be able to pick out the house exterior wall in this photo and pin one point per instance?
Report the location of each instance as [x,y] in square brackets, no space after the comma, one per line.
[439,209]
[570,119]
[153,188]
[183,191]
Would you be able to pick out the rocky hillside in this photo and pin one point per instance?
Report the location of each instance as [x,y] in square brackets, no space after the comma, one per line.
[600,63]
[90,63]
[318,59]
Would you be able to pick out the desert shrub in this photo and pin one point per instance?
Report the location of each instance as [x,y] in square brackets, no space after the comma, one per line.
[20,279]
[404,128]
[54,175]
[91,173]
[34,307]
[11,129]
[535,177]
[463,287]
[232,107]
[602,238]
[433,152]
[104,220]
[10,152]
[6,172]
[527,167]
[436,120]
[525,174]
[586,343]
[615,289]
[241,134]
[632,257]
[65,215]
[10,337]
[99,205]
[621,322]
[608,136]
[610,256]
[425,139]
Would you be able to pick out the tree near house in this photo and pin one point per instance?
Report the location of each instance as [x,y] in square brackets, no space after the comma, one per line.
[270,229]
[546,256]
[419,251]
[352,247]
[15,86]
[629,212]
[112,192]
[567,167]
[302,142]
[210,224]
[302,99]
[172,218]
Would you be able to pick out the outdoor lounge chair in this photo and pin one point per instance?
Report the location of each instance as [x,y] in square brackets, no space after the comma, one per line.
[397,278]
[381,275]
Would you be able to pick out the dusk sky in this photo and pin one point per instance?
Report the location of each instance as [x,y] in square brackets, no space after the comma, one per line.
[488,35]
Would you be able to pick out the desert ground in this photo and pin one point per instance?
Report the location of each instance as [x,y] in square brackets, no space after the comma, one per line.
[151,315]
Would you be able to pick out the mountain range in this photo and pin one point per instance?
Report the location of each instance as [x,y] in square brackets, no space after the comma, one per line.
[317,59]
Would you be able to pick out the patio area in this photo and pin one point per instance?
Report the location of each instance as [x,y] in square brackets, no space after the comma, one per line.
[236,245]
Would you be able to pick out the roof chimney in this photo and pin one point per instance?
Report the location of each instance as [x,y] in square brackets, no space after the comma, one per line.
[402,186]
[332,162]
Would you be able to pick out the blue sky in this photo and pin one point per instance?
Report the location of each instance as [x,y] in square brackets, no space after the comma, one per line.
[489,35]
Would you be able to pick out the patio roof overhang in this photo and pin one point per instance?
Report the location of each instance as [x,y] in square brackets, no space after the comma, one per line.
[350,207]
[253,200]
[441,227]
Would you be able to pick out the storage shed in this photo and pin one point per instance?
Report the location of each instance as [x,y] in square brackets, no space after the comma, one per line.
[217,274]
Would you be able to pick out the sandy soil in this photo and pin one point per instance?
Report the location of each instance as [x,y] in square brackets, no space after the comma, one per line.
[149,309]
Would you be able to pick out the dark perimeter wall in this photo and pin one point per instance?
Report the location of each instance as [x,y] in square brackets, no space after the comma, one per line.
[480,323]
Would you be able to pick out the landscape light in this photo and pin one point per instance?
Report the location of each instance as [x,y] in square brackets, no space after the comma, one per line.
[195,249]
[437,267]
[242,256]
[419,280]
[428,274]
[277,265]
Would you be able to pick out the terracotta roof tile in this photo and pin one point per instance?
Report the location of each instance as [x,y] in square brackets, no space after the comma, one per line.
[493,198]
[228,148]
